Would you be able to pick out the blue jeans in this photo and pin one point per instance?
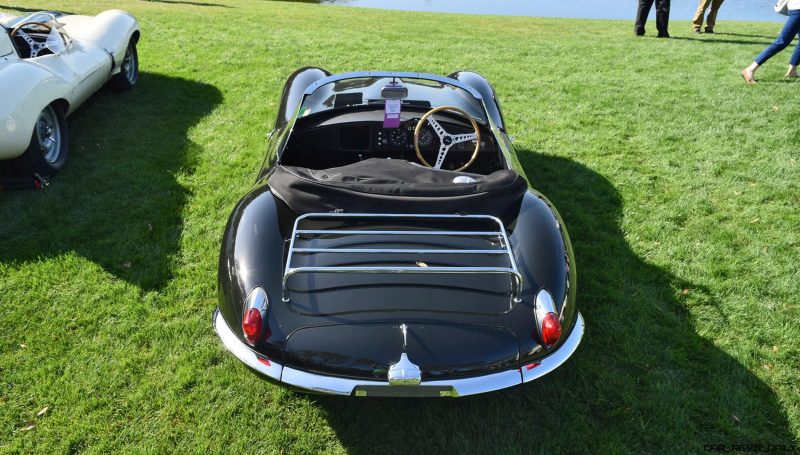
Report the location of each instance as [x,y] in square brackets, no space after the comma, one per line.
[788,33]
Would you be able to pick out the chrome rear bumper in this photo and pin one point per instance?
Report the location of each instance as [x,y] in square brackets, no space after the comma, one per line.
[331,385]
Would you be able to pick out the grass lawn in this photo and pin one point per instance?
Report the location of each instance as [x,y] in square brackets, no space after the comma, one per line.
[678,183]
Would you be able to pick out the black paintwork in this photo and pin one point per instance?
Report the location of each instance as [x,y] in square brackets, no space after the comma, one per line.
[353,329]
[366,350]
[293,92]
[487,92]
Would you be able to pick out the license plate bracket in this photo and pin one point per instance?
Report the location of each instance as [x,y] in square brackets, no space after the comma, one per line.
[405,391]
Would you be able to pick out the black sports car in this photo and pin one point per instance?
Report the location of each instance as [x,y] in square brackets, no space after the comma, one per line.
[393,247]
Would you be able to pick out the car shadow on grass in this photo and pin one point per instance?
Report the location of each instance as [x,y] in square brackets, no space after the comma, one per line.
[118,203]
[642,380]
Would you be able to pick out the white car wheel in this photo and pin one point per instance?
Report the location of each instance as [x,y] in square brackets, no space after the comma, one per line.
[48,133]
[128,75]
[49,144]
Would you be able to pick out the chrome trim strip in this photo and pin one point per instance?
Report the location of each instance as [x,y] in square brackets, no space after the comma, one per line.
[398,215]
[343,386]
[559,356]
[241,350]
[357,232]
[325,384]
[542,305]
[395,251]
[398,74]
[480,384]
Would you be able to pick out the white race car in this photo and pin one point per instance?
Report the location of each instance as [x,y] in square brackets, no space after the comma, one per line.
[50,63]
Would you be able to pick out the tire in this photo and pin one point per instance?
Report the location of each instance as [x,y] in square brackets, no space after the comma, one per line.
[49,145]
[128,75]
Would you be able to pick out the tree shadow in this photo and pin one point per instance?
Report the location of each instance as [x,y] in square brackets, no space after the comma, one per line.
[21,9]
[118,202]
[315,1]
[642,380]
[179,2]
[722,41]
[746,35]
[302,1]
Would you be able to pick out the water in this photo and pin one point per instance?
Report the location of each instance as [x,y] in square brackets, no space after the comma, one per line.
[745,10]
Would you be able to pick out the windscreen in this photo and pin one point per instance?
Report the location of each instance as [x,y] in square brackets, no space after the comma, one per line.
[360,91]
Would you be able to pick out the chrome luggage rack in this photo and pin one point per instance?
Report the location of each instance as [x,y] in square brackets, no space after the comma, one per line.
[398,236]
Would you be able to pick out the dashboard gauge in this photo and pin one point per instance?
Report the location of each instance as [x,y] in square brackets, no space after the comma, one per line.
[398,138]
[425,137]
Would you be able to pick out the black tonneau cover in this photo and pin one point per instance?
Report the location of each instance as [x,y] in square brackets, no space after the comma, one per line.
[396,186]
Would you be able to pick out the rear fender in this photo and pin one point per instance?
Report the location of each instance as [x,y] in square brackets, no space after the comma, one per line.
[252,255]
[544,256]
[293,92]
[110,30]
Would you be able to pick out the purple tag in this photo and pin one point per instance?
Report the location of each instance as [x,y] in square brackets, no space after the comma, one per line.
[391,116]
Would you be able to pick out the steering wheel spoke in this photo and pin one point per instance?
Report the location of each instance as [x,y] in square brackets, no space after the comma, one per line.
[459,138]
[437,127]
[443,149]
[26,37]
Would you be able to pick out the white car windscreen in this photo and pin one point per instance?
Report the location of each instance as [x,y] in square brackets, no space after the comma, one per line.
[55,42]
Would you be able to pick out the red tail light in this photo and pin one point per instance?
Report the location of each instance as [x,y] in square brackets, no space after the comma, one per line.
[252,325]
[254,319]
[548,325]
[551,329]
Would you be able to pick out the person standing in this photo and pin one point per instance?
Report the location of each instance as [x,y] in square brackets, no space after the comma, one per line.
[662,17]
[697,22]
[789,31]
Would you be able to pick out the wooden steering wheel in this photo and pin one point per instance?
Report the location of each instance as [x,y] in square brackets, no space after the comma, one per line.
[35,47]
[447,140]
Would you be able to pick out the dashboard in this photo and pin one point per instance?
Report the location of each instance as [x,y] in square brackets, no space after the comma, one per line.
[336,144]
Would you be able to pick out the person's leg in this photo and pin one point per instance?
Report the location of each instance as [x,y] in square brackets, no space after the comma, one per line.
[697,21]
[662,18]
[641,16]
[784,38]
[794,61]
[711,20]
[790,29]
